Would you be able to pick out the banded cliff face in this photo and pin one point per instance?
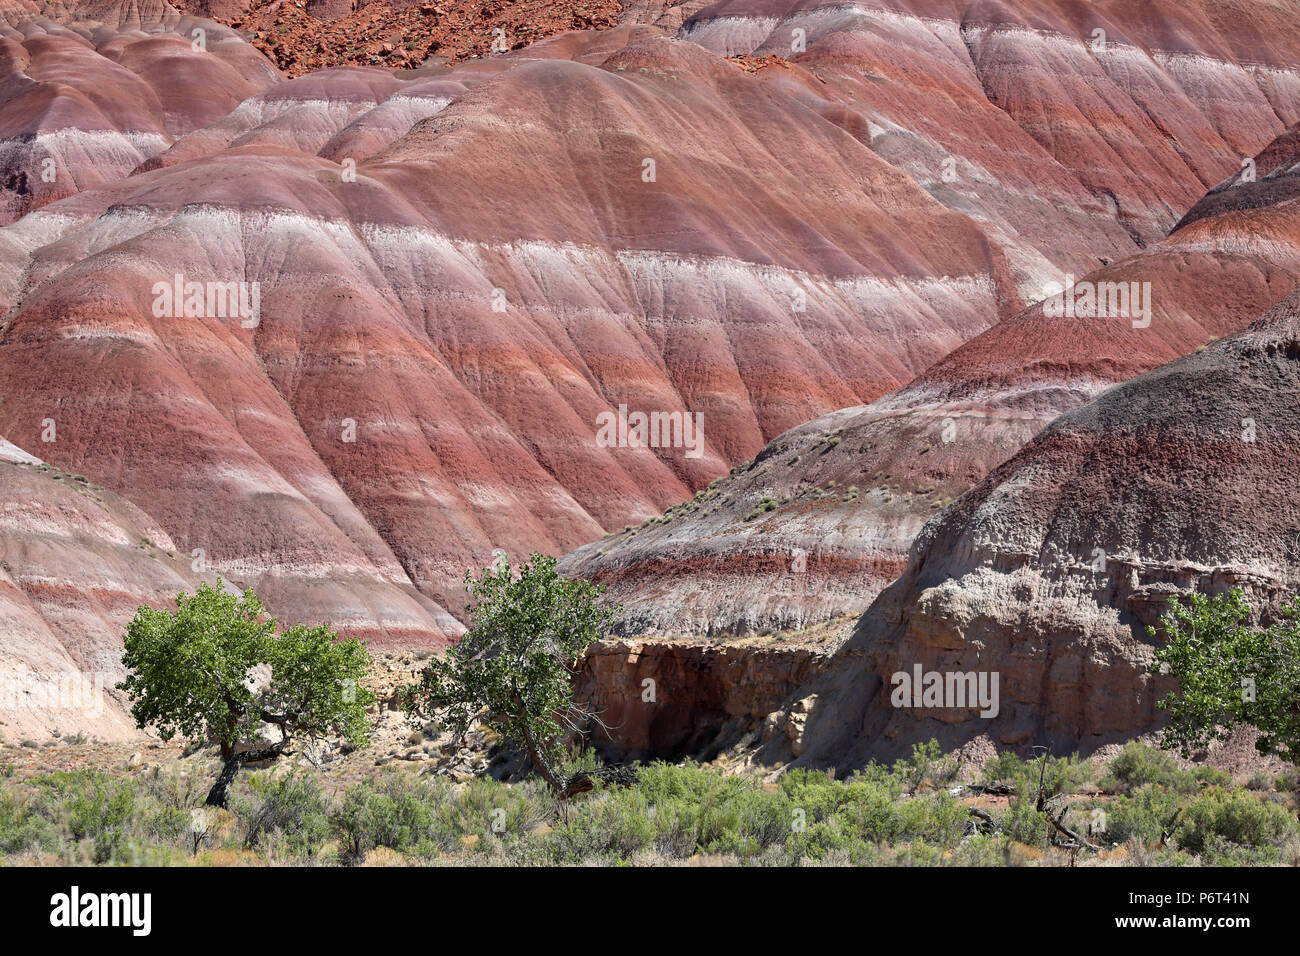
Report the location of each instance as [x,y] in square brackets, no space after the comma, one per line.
[824,516]
[443,322]
[76,561]
[1047,572]
[1063,127]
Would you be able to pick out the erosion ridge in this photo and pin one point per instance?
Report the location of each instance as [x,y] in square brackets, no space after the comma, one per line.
[823,517]
[506,318]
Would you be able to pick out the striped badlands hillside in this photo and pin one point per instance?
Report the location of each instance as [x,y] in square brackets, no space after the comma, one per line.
[452,274]
[442,322]
[81,105]
[76,561]
[1032,115]
[824,516]
[1049,570]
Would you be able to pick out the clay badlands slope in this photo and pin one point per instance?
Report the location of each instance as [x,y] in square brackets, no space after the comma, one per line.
[1181,479]
[1031,115]
[491,282]
[84,106]
[848,492]
[498,273]
[75,562]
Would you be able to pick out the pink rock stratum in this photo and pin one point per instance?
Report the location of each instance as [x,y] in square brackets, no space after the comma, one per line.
[848,492]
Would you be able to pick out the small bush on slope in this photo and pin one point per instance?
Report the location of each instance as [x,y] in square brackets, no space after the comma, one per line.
[1137,765]
[286,814]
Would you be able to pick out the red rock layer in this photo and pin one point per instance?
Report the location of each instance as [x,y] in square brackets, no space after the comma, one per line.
[823,518]
[301,38]
[1069,129]
[80,107]
[532,240]
[76,561]
[486,286]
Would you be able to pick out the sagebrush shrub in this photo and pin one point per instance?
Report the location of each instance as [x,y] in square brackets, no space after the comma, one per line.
[1234,816]
[288,810]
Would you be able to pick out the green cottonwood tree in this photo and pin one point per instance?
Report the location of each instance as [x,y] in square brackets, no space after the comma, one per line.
[515,664]
[215,668]
[1231,673]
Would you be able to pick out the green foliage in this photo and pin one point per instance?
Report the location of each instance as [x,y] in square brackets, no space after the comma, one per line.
[1141,816]
[927,764]
[1059,774]
[189,672]
[22,829]
[1202,777]
[1235,817]
[172,787]
[670,813]
[1218,659]
[1022,821]
[611,828]
[765,504]
[287,812]
[1138,765]
[680,811]
[94,808]
[372,816]
[515,663]
[167,825]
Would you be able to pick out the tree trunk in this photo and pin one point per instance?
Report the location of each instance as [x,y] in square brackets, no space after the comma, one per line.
[540,765]
[566,787]
[219,795]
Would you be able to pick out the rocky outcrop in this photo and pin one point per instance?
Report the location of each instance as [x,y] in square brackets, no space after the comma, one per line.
[667,700]
[1047,573]
[400,34]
